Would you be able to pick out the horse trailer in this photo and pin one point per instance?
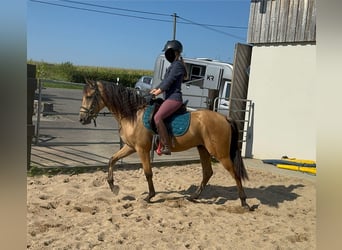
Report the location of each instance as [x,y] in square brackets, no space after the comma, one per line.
[207,85]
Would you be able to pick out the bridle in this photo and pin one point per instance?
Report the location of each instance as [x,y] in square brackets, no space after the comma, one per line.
[94,102]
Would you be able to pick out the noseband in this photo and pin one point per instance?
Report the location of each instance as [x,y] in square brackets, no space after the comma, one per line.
[94,102]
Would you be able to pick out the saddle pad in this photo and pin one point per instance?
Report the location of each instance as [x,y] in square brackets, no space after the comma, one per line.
[147,116]
[177,124]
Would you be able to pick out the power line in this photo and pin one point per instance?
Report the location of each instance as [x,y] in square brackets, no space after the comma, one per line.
[115,8]
[210,28]
[185,21]
[100,11]
[224,26]
[152,13]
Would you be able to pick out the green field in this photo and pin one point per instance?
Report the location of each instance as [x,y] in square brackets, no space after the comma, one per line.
[68,72]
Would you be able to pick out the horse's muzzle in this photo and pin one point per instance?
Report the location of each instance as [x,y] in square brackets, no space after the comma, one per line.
[85,119]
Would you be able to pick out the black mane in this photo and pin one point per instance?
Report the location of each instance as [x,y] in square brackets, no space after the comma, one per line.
[124,101]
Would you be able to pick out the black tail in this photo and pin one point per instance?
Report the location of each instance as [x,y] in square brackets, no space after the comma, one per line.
[235,152]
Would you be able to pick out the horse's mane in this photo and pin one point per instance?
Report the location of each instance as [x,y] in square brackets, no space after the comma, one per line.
[123,100]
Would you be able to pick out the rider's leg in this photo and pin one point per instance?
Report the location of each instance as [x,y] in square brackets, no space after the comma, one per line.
[167,108]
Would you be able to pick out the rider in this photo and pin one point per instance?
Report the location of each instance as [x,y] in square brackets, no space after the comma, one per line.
[171,87]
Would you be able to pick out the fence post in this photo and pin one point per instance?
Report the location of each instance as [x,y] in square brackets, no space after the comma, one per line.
[38,110]
[31,88]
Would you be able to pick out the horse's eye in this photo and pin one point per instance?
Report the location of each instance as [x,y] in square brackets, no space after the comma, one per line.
[88,97]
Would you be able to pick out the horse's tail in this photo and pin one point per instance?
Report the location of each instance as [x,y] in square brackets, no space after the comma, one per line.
[235,152]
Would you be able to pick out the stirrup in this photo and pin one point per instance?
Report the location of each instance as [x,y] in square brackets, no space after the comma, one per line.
[166,150]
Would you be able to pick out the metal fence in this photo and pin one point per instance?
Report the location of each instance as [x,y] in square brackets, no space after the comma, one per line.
[63,104]
[61,141]
[246,133]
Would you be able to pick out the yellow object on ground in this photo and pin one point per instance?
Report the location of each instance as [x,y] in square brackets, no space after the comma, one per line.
[311,170]
[299,160]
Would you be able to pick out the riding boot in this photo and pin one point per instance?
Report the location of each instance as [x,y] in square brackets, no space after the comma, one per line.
[164,138]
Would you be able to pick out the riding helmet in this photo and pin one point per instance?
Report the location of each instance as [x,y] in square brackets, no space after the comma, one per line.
[170,48]
[175,45]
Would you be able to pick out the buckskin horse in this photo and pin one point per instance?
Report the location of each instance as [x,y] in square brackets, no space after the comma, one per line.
[212,133]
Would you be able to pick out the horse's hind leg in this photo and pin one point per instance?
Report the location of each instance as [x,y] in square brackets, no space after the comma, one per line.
[207,171]
[228,164]
[123,152]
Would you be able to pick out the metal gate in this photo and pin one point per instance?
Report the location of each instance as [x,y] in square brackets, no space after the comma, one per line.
[245,125]
[57,109]
[238,94]
[62,141]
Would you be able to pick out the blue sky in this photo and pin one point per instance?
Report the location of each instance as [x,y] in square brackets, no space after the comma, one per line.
[68,34]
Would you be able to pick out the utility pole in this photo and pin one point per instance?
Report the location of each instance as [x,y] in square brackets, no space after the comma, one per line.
[174,25]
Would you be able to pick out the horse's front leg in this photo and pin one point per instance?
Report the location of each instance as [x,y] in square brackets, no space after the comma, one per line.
[122,153]
[146,164]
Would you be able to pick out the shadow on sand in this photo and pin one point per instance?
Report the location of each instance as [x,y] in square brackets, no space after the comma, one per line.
[271,195]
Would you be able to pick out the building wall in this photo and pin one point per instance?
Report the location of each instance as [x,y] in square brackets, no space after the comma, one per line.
[282,87]
[280,21]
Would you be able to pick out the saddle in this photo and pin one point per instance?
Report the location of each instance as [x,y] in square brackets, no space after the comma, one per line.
[177,124]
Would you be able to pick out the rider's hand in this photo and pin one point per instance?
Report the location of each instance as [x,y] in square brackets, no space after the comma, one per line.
[155,91]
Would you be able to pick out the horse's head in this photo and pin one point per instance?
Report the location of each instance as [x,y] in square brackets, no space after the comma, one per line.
[91,102]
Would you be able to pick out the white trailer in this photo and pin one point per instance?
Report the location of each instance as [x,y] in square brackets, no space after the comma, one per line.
[207,80]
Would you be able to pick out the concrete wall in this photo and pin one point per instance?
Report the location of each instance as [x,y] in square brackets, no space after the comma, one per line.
[282,86]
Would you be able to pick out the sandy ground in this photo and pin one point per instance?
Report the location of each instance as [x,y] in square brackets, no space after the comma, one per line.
[79,211]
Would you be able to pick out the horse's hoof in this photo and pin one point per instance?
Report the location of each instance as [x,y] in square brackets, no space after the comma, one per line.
[115,189]
[192,198]
[252,208]
[148,199]
[248,208]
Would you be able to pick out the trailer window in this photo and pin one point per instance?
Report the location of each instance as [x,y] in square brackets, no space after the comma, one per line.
[197,72]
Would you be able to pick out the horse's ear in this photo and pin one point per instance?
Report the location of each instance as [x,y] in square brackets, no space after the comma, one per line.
[87,81]
[90,82]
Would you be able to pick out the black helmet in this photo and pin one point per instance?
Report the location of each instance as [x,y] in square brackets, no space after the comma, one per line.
[175,45]
[170,48]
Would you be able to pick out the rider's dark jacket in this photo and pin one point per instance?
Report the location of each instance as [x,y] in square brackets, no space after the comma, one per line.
[171,84]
